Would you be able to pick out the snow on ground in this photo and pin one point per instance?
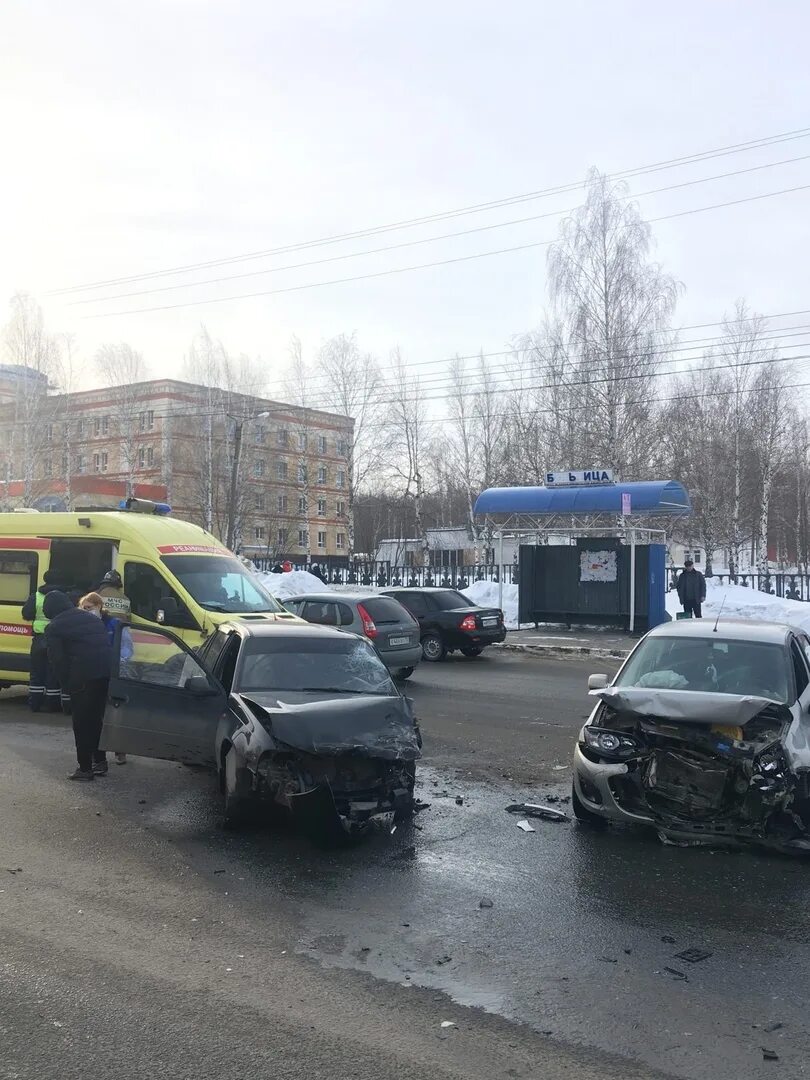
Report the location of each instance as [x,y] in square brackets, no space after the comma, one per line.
[740,602]
[485,594]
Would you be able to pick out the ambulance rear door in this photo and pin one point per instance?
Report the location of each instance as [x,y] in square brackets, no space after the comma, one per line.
[23,560]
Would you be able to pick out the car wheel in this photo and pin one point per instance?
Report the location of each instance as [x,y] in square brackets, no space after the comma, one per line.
[471,652]
[433,648]
[404,673]
[583,815]
[236,810]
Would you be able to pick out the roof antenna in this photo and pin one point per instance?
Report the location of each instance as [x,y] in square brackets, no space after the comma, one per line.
[720,612]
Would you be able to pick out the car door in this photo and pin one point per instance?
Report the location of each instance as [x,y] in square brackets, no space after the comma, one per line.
[163,703]
[417,604]
[801,674]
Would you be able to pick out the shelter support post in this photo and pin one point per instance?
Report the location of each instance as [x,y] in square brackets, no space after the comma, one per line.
[632,580]
[500,569]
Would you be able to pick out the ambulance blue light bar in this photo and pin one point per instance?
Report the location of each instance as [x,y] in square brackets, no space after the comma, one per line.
[145,506]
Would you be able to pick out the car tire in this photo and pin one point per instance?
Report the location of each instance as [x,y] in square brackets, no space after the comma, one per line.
[583,815]
[236,810]
[433,648]
[404,673]
[471,652]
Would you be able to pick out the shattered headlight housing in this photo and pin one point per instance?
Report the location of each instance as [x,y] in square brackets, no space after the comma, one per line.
[616,745]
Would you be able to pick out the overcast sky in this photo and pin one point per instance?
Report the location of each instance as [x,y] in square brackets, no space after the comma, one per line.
[141,137]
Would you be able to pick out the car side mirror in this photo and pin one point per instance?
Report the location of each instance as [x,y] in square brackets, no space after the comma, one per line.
[597,682]
[199,686]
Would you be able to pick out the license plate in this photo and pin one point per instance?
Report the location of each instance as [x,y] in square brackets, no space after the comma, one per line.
[399,641]
[490,622]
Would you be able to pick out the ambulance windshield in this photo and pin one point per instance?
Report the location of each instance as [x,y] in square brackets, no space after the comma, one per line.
[221,583]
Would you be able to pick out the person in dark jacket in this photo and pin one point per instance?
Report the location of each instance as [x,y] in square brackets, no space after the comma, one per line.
[43,687]
[691,588]
[80,653]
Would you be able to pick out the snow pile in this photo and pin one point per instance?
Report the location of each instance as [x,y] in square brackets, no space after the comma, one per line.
[485,594]
[295,583]
[744,603]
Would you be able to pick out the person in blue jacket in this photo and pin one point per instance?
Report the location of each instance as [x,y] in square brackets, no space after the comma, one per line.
[95,603]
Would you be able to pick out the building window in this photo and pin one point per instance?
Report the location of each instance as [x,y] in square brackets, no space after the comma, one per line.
[321,444]
[342,448]
[80,429]
[258,501]
[321,539]
[302,441]
[101,425]
[281,503]
[260,435]
[321,507]
[340,541]
[340,507]
[303,538]
[142,457]
[321,474]
[341,478]
[100,461]
[146,420]
[48,468]
[258,532]
[283,436]
[80,463]
[150,457]
[302,504]
[258,470]
[302,474]
[49,433]
[281,470]
[281,538]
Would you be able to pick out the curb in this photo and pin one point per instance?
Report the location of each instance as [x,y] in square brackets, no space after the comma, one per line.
[564,652]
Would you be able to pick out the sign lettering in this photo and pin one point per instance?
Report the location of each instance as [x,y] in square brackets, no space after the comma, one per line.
[579,477]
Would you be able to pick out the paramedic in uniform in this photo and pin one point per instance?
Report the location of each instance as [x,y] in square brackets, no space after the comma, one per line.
[43,689]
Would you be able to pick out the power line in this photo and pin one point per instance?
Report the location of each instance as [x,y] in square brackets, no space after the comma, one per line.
[427,239]
[427,265]
[734,148]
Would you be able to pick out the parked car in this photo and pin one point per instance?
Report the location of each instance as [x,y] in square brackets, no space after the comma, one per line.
[304,717]
[449,621]
[703,734]
[385,622]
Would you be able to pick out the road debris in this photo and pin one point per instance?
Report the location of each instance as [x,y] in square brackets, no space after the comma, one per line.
[537,810]
[681,975]
[485,902]
[608,959]
[667,940]
[769,1055]
[525,826]
[448,1024]
[693,956]
[459,800]
[440,960]
[774,1025]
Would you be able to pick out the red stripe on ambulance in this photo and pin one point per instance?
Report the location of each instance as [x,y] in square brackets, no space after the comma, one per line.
[29,543]
[13,628]
[192,549]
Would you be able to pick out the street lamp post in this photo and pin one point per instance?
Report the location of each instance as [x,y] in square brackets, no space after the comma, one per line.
[239,422]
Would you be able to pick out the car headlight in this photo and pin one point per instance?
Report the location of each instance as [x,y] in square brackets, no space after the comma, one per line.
[610,744]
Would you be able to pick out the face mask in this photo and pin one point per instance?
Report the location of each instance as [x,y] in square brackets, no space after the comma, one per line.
[93,611]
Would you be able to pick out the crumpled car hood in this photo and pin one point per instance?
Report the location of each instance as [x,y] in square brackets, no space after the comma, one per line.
[685,706]
[366,726]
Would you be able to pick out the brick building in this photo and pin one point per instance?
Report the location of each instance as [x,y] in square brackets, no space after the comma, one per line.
[173,440]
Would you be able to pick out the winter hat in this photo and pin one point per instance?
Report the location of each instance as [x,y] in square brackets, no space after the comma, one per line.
[55,604]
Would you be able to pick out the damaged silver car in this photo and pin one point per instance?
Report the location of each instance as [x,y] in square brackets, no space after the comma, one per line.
[295,717]
[704,734]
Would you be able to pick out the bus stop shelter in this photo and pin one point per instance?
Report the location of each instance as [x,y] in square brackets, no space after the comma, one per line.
[593,553]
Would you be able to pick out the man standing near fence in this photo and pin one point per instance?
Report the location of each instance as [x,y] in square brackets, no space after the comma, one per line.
[691,588]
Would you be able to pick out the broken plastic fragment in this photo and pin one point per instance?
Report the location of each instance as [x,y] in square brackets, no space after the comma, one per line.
[774,1025]
[485,902]
[769,1055]
[693,956]
[525,826]
[448,1024]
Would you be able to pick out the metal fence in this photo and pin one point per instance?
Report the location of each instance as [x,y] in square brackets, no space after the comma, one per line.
[789,586]
[383,573]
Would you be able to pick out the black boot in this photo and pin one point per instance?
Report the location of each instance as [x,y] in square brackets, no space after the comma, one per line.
[82,774]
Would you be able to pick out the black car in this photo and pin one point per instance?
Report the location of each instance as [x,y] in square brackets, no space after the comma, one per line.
[449,621]
[295,716]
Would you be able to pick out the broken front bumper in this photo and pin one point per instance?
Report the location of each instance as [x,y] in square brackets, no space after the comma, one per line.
[592,783]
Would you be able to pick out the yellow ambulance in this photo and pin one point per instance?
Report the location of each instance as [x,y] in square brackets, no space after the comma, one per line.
[175,574]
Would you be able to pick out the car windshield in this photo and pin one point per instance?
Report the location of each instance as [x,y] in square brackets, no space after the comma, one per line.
[221,583]
[450,600]
[724,666]
[342,665]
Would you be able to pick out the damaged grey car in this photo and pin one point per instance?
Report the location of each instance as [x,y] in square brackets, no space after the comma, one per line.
[301,718]
[704,734]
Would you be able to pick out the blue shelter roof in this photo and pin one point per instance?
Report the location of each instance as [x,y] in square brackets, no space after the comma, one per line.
[646,497]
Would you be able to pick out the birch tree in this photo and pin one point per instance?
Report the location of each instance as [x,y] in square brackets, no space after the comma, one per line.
[408,441]
[614,304]
[772,417]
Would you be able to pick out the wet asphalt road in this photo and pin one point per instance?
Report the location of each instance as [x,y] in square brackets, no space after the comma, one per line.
[572,944]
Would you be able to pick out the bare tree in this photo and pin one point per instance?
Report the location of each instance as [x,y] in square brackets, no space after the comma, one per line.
[408,441]
[772,416]
[615,305]
[351,385]
[123,369]
[34,353]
